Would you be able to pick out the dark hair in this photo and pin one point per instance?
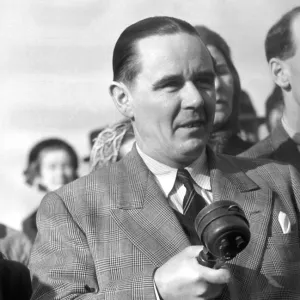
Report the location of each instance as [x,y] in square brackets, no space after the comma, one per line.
[125,57]
[274,101]
[279,41]
[212,38]
[33,163]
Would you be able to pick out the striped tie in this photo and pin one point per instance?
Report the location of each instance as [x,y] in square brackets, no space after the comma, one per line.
[193,203]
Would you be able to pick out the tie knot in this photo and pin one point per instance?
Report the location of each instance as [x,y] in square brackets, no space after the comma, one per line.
[184,177]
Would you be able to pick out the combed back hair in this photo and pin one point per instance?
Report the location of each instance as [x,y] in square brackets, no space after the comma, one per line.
[126,64]
[279,41]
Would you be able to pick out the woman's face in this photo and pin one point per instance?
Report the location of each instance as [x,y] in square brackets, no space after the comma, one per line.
[224,85]
[56,168]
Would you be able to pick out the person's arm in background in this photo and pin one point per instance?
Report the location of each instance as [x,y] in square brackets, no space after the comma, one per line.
[15,280]
[15,245]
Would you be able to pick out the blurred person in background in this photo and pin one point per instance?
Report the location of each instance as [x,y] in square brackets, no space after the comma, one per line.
[282,47]
[51,164]
[225,136]
[14,245]
[112,143]
[248,120]
[274,109]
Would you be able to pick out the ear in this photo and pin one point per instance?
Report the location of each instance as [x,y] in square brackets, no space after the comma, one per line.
[122,98]
[279,72]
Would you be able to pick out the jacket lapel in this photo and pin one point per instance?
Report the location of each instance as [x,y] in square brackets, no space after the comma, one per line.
[229,182]
[144,214]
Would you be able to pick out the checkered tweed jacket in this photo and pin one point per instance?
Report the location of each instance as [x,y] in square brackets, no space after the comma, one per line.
[101,236]
[277,146]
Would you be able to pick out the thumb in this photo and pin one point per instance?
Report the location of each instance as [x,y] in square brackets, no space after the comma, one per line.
[193,251]
[219,276]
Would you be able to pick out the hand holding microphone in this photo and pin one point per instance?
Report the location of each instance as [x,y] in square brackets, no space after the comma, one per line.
[195,272]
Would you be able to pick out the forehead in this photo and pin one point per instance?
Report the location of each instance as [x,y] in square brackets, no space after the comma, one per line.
[175,53]
[48,154]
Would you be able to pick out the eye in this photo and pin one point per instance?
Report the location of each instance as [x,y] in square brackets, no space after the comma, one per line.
[222,70]
[205,82]
[173,85]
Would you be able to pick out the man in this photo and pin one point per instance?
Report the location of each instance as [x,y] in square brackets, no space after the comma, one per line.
[282,47]
[122,232]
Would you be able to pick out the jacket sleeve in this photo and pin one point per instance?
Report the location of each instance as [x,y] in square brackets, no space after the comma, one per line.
[62,265]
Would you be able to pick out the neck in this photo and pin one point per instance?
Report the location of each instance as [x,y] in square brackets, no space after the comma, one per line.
[159,157]
[291,113]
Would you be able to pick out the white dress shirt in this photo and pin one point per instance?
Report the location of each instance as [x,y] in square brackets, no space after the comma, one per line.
[175,191]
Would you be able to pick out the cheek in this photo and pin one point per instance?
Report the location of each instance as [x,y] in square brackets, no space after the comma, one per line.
[210,105]
[229,88]
[69,172]
[46,174]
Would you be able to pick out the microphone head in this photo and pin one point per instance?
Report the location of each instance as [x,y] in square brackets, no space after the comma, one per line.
[223,229]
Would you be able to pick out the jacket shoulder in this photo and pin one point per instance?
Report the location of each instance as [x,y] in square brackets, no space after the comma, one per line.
[262,149]
[259,166]
[87,192]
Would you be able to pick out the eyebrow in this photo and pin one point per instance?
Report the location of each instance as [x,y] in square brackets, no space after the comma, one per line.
[204,74]
[164,80]
[173,78]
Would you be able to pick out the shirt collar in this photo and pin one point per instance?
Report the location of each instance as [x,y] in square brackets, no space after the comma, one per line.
[166,175]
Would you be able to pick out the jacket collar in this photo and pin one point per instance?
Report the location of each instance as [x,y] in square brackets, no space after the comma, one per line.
[284,148]
[223,171]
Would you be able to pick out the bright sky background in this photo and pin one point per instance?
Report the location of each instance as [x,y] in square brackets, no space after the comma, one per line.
[55,67]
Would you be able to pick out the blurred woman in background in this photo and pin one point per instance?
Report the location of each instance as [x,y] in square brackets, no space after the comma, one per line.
[51,164]
[225,136]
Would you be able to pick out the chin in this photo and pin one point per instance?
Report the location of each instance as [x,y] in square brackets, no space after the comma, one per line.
[193,149]
[219,121]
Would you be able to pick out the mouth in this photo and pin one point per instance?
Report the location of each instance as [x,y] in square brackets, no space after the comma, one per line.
[221,101]
[194,124]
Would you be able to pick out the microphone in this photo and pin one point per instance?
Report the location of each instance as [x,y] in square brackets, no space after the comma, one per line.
[224,232]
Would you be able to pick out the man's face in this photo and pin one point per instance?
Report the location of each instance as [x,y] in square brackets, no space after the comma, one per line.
[294,62]
[173,98]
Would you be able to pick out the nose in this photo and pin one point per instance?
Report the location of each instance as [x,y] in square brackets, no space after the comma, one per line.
[217,83]
[191,96]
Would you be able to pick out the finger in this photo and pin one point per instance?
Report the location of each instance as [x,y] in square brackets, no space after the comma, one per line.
[212,291]
[219,276]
